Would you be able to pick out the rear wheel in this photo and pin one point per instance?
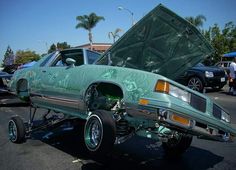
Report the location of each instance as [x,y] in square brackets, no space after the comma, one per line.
[99,132]
[23,90]
[16,130]
[178,144]
[195,83]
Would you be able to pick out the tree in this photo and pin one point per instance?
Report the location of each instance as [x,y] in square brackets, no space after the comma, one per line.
[88,22]
[9,57]
[59,46]
[52,48]
[197,21]
[26,56]
[114,34]
[223,40]
[63,45]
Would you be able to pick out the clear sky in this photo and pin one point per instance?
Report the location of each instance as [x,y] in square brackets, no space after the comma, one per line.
[36,24]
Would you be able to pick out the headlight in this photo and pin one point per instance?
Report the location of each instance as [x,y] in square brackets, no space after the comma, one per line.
[225,116]
[219,113]
[209,74]
[166,87]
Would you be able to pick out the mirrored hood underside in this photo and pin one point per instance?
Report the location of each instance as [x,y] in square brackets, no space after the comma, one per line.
[161,42]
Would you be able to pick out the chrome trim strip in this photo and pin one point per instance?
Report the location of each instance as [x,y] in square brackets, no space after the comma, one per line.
[57,100]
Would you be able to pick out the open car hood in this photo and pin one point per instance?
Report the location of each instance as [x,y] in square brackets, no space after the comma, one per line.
[161,42]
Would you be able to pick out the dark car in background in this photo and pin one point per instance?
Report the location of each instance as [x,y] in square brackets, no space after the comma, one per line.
[4,79]
[201,76]
[5,76]
[7,72]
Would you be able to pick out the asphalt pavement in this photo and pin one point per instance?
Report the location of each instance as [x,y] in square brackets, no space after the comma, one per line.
[60,149]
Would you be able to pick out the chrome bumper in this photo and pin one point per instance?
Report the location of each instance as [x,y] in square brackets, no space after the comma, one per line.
[181,122]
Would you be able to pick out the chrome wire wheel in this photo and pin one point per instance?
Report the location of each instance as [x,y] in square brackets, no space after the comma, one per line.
[93,132]
[12,131]
[195,84]
[99,133]
[16,130]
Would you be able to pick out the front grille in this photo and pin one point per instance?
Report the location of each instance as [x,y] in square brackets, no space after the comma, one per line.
[219,73]
[216,111]
[198,103]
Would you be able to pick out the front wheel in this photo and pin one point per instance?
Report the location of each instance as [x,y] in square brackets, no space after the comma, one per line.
[100,132]
[16,130]
[195,83]
[178,144]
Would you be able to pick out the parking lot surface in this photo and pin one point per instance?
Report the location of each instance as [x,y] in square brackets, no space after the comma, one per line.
[60,148]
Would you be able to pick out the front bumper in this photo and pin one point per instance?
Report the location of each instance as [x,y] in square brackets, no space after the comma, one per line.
[185,119]
[219,81]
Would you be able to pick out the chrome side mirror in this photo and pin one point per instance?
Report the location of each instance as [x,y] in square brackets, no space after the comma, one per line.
[71,62]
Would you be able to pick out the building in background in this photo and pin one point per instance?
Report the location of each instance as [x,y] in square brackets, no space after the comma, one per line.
[99,47]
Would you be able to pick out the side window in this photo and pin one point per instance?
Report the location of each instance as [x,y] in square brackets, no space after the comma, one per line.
[58,62]
[77,55]
[92,56]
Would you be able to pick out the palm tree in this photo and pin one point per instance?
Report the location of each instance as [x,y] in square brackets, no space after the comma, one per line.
[114,34]
[88,22]
[197,21]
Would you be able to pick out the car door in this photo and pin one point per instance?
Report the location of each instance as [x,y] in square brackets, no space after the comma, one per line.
[57,81]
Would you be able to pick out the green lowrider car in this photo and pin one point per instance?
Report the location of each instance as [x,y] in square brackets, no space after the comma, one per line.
[128,90]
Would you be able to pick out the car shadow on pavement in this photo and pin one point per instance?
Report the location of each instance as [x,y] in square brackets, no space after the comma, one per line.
[9,100]
[137,153]
[17,104]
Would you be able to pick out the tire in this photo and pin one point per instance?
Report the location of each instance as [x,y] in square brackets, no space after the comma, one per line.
[177,145]
[99,133]
[23,90]
[195,83]
[16,130]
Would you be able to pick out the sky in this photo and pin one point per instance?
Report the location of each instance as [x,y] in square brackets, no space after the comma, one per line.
[36,24]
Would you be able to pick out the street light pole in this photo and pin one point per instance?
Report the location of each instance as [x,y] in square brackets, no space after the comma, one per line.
[131,13]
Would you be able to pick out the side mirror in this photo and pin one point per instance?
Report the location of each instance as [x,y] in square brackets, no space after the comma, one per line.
[70,62]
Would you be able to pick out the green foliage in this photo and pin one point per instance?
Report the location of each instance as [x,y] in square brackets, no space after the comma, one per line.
[9,57]
[223,41]
[59,46]
[197,21]
[114,34]
[52,48]
[26,56]
[88,22]
[62,45]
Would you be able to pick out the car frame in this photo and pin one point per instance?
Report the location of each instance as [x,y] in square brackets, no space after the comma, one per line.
[121,95]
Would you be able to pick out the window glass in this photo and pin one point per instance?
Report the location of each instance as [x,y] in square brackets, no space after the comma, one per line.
[77,55]
[47,58]
[58,62]
[92,56]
